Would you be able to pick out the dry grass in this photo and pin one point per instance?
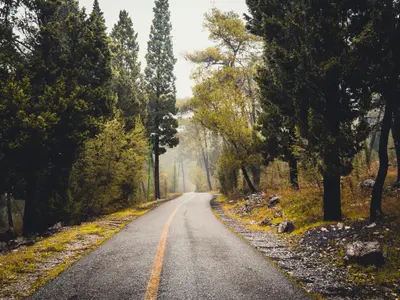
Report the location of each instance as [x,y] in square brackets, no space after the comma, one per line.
[304,208]
[24,270]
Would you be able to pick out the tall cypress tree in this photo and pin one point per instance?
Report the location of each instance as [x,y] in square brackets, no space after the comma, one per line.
[160,79]
[126,68]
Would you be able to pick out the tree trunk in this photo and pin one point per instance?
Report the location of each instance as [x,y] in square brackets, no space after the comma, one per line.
[332,202]
[376,200]
[143,189]
[29,225]
[183,178]
[396,139]
[256,174]
[372,142]
[9,211]
[247,178]
[293,172]
[157,193]
[207,169]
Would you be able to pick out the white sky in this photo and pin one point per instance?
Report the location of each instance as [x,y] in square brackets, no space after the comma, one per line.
[187,18]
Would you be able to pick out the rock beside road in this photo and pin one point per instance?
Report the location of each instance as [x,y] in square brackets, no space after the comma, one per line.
[367,184]
[285,227]
[273,200]
[364,254]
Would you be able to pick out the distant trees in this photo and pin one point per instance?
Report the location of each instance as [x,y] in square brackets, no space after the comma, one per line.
[225,96]
[160,79]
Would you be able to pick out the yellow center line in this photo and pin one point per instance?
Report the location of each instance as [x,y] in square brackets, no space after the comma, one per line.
[154,281]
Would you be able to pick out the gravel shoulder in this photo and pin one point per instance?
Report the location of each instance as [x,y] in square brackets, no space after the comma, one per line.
[314,261]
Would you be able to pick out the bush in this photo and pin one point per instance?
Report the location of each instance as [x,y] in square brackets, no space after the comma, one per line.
[107,175]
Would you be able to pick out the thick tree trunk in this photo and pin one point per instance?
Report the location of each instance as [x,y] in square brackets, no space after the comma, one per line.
[9,211]
[157,193]
[30,214]
[396,138]
[293,172]
[248,181]
[332,202]
[377,191]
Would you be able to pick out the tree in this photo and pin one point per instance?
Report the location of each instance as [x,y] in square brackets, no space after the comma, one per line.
[126,69]
[379,40]
[109,170]
[313,40]
[71,76]
[221,106]
[231,63]
[159,74]
[396,138]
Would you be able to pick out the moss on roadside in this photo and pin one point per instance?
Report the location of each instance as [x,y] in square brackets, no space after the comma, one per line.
[26,269]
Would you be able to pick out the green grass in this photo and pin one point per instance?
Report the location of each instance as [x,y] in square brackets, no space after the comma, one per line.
[26,269]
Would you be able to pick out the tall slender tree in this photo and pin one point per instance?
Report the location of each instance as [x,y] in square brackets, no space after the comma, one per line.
[159,74]
[126,69]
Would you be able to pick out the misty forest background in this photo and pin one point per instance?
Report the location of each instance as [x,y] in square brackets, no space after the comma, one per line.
[300,98]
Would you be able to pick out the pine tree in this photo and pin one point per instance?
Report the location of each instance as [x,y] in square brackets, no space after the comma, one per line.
[160,79]
[71,76]
[309,54]
[126,69]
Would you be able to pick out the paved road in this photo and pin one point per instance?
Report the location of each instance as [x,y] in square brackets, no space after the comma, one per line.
[203,260]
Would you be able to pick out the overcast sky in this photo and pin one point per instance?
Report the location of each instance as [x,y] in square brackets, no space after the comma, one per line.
[187,20]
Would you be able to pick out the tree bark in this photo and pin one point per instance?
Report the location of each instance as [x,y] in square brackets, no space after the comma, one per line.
[207,169]
[143,189]
[9,211]
[293,172]
[377,191]
[30,224]
[332,202]
[396,139]
[372,142]
[247,178]
[157,193]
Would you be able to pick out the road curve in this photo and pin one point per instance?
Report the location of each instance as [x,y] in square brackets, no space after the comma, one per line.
[202,259]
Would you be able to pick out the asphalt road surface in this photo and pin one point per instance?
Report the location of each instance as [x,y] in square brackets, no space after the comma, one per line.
[180,250]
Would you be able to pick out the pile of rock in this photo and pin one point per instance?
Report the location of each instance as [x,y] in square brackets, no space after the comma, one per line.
[252,201]
[367,184]
[273,200]
[285,227]
[364,254]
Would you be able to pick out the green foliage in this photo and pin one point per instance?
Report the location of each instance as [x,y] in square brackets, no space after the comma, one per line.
[107,175]
[56,95]
[311,74]
[160,79]
[224,96]
[127,80]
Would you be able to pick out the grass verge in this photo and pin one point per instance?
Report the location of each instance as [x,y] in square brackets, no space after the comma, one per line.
[26,269]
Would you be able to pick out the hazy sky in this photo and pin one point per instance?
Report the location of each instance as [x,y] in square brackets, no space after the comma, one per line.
[187,21]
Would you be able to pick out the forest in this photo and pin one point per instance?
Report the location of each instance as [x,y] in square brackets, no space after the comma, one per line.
[298,95]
